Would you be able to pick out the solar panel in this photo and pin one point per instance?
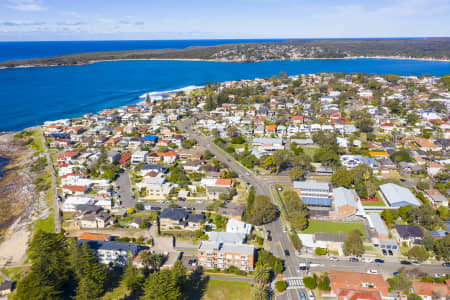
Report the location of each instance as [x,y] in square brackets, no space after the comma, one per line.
[316,201]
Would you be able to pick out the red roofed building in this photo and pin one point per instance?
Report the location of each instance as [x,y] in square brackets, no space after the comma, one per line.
[66,156]
[358,282]
[170,157]
[94,236]
[125,158]
[431,290]
[75,189]
[297,119]
[225,182]
[350,294]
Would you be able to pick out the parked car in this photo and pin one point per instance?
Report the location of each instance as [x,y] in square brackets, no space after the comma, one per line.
[310,295]
[390,252]
[405,262]
[302,295]
[446,264]
[395,274]
[353,259]
[372,271]
[379,261]
[384,252]
[286,252]
[155,208]
[182,199]
[333,258]
[416,263]
[367,259]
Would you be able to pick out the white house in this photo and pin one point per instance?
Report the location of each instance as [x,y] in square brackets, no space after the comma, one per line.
[238,226]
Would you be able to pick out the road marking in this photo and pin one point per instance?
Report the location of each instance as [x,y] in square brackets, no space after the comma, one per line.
[277,243]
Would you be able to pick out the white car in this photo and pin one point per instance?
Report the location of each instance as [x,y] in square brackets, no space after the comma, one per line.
[310,295]
[367,259]
[372,271]
[333,258]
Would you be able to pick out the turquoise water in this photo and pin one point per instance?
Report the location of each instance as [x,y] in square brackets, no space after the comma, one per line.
[31,96]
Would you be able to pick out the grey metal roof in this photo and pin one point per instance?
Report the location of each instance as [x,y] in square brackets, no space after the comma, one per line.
[378,224]
[398,196]
[224,247]
[226,237]
[343,196]
[267,141]
[312,185]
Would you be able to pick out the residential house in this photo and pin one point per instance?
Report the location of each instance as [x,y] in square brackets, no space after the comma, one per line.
[431,290]
[173,219]
[111,252]
[343,283]
[238,227]
[407,234]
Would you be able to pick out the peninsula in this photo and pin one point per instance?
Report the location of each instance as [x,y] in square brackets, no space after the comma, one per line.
[426,48]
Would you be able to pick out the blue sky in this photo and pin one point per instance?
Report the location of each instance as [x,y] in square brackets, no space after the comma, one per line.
[203,19]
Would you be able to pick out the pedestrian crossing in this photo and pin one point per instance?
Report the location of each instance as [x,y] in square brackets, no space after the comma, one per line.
[294,283]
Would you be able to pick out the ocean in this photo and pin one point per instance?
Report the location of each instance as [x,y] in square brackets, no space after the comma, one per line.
[30,96]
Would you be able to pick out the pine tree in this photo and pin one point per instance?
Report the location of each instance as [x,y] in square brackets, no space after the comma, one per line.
[161,285]
[49,274]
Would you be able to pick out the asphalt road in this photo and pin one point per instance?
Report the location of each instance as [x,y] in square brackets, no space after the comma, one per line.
[123,181]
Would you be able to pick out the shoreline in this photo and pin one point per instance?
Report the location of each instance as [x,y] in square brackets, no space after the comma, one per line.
[230,61]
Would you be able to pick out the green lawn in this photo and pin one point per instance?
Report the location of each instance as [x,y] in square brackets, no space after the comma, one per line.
[310,151]
[47,225]
[15,273]
[333,227]
[227,290]
[379,203]
[37,141]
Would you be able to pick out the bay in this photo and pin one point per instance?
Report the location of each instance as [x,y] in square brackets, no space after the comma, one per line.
[30,96]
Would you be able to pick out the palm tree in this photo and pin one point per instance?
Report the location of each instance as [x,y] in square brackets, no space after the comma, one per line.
[261,275]
[259,292]
[151,260]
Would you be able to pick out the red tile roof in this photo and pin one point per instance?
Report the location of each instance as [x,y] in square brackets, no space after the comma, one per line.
[94,236]
[430,289]
[358,281]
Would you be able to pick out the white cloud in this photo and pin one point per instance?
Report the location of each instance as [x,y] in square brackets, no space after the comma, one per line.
[26,5]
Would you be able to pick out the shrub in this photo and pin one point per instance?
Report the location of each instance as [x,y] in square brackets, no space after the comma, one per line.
[309,282]
[320,251]
[280,286]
